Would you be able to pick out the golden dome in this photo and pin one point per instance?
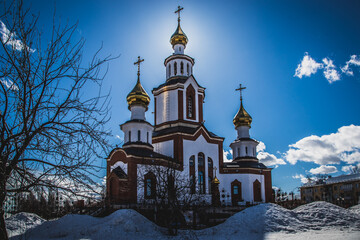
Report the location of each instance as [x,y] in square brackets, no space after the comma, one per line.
[216,180]
[138,96]
[242,118]
[179,37]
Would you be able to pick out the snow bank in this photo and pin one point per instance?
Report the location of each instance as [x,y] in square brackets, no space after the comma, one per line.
[19,223]
[355,209]
[264,221]
[122,224]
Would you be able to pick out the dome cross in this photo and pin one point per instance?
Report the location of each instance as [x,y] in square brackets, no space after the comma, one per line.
[138,63]
[178,12]
[240,89]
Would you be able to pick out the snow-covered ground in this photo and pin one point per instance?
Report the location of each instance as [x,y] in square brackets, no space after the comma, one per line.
[318,220]
[21,222]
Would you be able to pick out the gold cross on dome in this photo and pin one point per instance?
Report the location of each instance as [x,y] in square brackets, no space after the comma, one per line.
[138,63]
[178,12]
[240,89]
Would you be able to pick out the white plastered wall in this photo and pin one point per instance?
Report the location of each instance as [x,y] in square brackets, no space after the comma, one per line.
[134,127]
[166,148]
[167,106]
[247,191]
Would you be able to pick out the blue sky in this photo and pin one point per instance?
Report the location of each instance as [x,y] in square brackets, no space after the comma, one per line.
[257,43]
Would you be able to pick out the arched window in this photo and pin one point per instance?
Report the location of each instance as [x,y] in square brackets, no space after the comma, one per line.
[147,137]
[201,183]
[238,150]
[201,160]
[246,151]
[129,136]
[175,68]
[191,160]
[150,185]
[190,107]
[192,184]
[236,192]
[210,181]
[139,135]
[169,70]
[210,163]
[190,102]
[182,68]
[188,69]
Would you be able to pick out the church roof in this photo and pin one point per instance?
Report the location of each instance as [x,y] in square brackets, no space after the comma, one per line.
[242,118]
[138,95]
[182,129]
[120,173]
[245,164]
[144,152]
[175,80]
[178,37]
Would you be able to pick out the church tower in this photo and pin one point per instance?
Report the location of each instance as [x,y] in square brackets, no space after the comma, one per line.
[137,131]
[244,147]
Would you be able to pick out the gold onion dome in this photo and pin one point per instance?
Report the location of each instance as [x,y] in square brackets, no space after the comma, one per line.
[179,37]
[216,180]
[242,118]
[138,96]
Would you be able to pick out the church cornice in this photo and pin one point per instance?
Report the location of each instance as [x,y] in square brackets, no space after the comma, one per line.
[175,83]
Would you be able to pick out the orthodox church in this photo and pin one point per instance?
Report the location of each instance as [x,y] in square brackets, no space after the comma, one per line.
[179,137]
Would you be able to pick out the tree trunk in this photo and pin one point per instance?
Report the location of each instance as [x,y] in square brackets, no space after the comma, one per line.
[3,232]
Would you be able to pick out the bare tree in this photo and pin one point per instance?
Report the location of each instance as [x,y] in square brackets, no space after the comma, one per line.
[52,108]
[170,191]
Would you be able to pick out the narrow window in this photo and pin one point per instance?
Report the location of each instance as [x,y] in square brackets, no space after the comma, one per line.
[175,68]
[129,136]
[209,184]
[147,137]
[201,160]
[148,187]
[192,184]
[254,152]
[201,182]
[182,68]
[236,189]
[190,107]
[139,135]
[191,160]
[169,70]
[246,151]
[187,69]
[238,152]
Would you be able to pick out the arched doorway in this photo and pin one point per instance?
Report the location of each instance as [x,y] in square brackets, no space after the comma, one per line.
[236,192]
[257,191]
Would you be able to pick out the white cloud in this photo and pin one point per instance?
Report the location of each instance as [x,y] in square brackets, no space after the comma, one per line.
[342,146]
[9,84]
[330,73]
[307,67]
[266,158]
[302,178]
[347,168]
[10,38]
[323,169]
[227,155]
[354,60]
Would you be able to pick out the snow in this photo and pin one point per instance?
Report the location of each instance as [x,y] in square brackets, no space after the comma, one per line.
[320,220]
[355,209]
[19,223]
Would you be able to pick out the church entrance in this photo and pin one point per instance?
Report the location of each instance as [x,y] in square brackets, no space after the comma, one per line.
[236,192]
[257,191]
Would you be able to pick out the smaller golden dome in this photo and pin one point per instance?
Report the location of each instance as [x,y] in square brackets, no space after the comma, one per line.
[138,96]
[216,180]
[179,37]
[242,118]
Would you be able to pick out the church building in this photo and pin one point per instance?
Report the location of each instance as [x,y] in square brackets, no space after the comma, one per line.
[179,138]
